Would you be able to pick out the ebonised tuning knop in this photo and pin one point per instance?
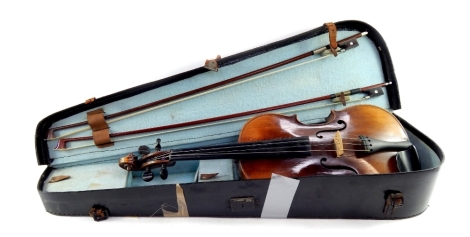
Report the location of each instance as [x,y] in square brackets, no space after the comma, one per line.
[147,176]
[158,147]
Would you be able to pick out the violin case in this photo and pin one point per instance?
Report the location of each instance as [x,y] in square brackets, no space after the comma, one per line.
[83,177]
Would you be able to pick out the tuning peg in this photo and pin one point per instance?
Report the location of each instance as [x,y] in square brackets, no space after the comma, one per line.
[144,150]
[158,147]
[163,172]
[147,176]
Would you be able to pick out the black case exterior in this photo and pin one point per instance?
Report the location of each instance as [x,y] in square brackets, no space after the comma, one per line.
[358,197]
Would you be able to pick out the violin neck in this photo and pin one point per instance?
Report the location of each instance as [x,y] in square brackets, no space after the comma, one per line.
[296,147]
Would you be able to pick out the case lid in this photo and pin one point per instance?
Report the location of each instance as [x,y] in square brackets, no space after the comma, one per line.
[42,149]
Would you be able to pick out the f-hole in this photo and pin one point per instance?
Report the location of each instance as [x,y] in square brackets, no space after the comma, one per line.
[340,122]
[336,167]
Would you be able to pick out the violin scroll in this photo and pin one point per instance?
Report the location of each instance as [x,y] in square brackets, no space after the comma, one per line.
[148,161]
[128,162]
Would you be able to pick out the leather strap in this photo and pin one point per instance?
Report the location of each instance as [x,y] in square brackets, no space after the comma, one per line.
[100,128]
[90,100]
[343,99]
[332,32]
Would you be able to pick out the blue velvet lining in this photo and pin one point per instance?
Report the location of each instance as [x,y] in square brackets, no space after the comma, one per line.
[358,67]
[354,68]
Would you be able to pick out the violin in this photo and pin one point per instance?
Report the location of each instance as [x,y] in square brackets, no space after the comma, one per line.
[361,139]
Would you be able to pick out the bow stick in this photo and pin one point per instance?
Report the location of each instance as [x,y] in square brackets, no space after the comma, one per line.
[344,44]
[373,90]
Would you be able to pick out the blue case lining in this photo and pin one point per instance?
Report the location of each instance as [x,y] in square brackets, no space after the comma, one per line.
[358,67]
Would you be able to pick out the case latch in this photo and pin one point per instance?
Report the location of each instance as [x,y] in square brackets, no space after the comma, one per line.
[99,213]
[392,201]
[242,204]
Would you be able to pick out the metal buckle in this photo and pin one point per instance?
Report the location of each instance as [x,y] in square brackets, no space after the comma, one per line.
[392,201]
[99,213]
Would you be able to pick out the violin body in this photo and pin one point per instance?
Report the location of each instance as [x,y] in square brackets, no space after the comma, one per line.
[351,122]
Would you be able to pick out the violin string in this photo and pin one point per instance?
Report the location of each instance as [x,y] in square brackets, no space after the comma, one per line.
[264,152]
[169,155]
[254,145]
[255,150]
[195,95]
[216,149]
[258,152]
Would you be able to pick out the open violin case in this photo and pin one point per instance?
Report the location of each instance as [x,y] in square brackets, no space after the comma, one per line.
[221,140]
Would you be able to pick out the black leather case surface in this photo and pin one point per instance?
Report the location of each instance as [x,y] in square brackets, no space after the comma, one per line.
[357,197]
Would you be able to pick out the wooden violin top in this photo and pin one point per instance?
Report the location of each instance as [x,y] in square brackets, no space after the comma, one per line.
[351,122]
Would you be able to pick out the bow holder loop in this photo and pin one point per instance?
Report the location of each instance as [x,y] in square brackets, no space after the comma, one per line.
[332,33]
[100,128]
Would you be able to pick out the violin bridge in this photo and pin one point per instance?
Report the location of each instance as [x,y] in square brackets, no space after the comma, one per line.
[338,144]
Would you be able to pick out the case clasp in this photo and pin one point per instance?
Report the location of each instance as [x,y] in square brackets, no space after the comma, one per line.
[392,201]
[99,213]
[242,204]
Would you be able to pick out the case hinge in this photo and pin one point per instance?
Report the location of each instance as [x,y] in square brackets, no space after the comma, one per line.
[99,213]
[212,64]
[90,100]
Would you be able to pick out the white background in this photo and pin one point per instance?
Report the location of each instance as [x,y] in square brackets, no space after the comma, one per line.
[56,54]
